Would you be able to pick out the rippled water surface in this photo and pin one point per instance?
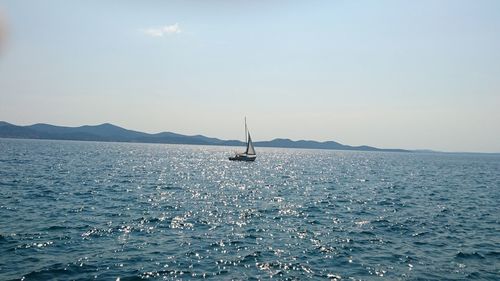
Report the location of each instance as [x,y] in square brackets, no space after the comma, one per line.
[85,210]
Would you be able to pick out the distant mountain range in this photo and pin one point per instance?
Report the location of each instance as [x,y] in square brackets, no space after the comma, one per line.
[110,132]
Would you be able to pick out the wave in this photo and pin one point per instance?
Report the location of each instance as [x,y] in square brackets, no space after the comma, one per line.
[471,255]
[60,271]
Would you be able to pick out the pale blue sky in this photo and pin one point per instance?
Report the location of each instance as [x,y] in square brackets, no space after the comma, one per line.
[398,74]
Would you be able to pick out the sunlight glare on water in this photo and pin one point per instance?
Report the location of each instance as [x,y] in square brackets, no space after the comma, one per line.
[122,211]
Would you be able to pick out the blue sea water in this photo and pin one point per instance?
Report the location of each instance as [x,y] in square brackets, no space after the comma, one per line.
[109,211]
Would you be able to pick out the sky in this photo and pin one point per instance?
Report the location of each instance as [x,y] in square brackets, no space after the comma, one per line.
[391,74]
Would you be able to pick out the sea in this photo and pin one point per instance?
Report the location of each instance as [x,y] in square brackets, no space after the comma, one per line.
[73,210]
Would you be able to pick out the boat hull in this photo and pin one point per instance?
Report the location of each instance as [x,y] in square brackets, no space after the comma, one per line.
[243,158]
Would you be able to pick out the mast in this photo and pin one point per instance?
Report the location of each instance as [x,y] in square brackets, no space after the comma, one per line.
[246,130]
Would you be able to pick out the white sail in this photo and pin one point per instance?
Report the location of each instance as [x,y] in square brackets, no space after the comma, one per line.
[250,148]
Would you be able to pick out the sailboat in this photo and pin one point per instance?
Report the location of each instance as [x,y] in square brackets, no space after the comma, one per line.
[249,154]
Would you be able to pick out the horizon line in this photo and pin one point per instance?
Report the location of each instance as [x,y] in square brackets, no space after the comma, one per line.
[257,141]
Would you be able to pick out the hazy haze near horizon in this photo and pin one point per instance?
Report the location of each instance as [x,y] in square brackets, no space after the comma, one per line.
[399,74]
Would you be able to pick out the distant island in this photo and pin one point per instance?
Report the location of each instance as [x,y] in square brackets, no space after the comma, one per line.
[112,133]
